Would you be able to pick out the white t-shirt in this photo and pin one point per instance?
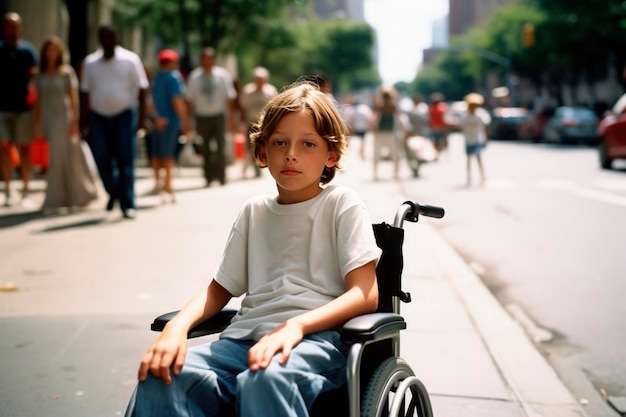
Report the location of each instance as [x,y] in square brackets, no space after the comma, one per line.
[113,84]
[209,93]
[473,126]
[292,258]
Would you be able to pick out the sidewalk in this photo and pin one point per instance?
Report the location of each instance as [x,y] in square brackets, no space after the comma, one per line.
[472,357]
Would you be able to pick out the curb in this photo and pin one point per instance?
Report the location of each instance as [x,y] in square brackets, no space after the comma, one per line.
[533,383]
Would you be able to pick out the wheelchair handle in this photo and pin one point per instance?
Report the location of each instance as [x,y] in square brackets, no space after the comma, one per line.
[411,210]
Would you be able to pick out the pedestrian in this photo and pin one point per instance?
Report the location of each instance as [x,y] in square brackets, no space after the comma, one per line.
[211,95]
[386,127]
[305,262]
[170,119]
[436,121]
[474,127]
[253,98]
[418,117]
[18,63]
[70,182]
[358,116]
[418,129]
[113,87]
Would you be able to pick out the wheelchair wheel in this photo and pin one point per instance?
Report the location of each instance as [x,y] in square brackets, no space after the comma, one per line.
[394,391]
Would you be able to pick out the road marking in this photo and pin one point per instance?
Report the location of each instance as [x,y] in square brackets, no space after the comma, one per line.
[617,185]
[582,192]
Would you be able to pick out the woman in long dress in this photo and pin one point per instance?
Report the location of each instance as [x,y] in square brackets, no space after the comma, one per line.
[70,180]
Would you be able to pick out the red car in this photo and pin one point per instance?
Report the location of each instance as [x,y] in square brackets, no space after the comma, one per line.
[613,141]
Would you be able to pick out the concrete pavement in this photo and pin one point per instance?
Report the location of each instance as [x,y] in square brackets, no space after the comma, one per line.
[88,284]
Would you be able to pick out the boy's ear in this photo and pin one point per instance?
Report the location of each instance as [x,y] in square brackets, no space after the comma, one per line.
[332,159]
[263,155]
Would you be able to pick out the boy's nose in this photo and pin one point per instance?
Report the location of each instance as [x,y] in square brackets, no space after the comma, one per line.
[290,155]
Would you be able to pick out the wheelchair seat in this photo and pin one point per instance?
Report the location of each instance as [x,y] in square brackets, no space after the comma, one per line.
[380,382]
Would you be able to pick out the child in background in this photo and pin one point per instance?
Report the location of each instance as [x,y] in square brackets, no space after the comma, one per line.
[304,260]
[474,127]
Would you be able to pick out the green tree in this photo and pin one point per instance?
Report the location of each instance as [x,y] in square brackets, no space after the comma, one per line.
[587,35]
[345,53]
[224,24]
[281,35]
[450,74]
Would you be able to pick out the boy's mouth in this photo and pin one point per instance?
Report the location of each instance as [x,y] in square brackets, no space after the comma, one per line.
[290,171]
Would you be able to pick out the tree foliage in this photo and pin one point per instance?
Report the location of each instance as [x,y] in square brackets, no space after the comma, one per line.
[574,40]
[278,34]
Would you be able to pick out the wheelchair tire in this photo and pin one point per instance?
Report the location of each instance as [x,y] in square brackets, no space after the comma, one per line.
[382,396]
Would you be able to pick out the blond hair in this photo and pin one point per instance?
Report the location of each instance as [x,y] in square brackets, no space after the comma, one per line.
[303,97]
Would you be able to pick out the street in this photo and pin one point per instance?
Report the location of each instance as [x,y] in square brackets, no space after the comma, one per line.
[545,234]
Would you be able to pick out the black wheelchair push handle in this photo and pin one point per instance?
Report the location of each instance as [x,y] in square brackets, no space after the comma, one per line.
[432,211]
[411,210]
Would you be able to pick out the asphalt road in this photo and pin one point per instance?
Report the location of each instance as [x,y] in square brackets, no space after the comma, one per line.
[546,234]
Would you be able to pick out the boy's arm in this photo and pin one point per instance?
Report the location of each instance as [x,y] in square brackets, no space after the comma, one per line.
[361,297]
[169,349]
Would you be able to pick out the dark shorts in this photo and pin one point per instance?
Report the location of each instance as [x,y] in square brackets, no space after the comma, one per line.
[164,142]
[16,127]
[474,149]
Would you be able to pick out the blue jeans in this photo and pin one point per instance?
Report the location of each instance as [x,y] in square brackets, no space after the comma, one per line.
[113,142]
[216,381]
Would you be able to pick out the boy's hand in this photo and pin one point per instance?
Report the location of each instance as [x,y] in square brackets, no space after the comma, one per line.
[284,338]
[167,352]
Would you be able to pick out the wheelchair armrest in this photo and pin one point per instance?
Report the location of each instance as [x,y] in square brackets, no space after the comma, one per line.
[372,326]
[215,324]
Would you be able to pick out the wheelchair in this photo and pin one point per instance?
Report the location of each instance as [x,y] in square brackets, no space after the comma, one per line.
[380,382]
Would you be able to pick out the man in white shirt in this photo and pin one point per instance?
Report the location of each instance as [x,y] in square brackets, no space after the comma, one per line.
[211,94]
[113,86]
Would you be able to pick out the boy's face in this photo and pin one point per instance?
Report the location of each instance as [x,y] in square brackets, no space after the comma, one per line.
[296,155]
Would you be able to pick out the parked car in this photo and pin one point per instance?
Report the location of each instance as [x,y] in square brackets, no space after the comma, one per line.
[572,125]
[613,141]
[532,128]
[506,122]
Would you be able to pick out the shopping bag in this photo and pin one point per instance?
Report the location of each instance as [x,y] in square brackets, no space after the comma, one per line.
[39,152]
[84,158]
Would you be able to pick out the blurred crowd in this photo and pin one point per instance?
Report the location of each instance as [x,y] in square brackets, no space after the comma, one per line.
[82,127]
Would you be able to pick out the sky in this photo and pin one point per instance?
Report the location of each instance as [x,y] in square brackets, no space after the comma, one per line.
[403,29]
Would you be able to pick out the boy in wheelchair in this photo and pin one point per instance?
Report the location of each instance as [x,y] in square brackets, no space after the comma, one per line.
[305,262]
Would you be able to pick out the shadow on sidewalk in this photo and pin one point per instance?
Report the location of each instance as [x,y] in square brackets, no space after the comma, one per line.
[15,219]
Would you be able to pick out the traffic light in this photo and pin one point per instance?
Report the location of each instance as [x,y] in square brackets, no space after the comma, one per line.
[529,34]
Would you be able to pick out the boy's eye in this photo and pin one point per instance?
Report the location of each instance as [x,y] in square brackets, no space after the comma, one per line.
[309,144]
[278,142]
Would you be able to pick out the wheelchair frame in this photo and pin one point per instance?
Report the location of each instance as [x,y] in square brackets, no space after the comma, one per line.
[391,378]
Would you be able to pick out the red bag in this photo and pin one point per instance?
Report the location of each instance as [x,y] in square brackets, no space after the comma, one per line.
[39,153]
[31,97]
